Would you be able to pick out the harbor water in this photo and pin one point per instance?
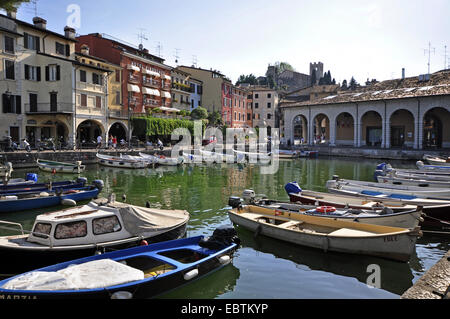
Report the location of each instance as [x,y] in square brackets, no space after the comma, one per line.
[262,267]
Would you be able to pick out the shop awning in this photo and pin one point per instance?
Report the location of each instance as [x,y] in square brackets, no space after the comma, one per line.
[150,91]
[167,77]
[133,88]
[149,72]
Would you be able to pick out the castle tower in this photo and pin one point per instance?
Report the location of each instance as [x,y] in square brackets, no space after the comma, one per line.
[316,68]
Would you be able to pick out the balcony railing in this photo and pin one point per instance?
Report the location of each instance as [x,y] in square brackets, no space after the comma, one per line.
[91,87]
[151,102]
[181,87]
[48,108]
[121,114]
[134,79]
[151,83]
[90,110]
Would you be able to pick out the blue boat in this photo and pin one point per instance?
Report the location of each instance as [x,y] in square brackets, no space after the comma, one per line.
[35,200]
[40,187]
[139,272]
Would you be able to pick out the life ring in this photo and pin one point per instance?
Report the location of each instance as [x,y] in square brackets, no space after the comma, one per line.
[326,209]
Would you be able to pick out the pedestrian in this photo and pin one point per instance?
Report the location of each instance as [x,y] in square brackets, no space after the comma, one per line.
[99,141]
[114,141]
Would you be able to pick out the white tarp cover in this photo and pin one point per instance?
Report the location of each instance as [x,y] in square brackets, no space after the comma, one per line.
[139,221]
[91,275]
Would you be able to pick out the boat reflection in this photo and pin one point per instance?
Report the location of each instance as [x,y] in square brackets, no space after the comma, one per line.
[396,279]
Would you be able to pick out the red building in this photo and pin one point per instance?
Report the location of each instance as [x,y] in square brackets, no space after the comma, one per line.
[146,80]
[227,97]
[240,111]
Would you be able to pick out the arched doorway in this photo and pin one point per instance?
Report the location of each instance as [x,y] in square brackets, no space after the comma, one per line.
[372,129]
[435,134]
[87,133]
[345,129]
[300,130]
[321,129]
[402,128]
[119,131]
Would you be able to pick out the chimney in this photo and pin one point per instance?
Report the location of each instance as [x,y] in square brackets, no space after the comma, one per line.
[69,32]
[12,14]
[40,23]
[85,49]
[403,73]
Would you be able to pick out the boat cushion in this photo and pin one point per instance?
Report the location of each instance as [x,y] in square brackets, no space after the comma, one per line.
[91,275]
[401,196]
[371,193]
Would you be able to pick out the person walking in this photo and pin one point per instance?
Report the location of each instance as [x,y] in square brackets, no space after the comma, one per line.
[99,141]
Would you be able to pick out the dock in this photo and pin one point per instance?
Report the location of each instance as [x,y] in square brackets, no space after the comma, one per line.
[434,284]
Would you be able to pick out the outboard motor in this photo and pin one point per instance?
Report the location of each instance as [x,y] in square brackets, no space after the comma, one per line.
[235,202]
[381,166]
[420,164]
[222,237]
[292,188]
[82,180]
[249,196]
[331,184]
[31,177]
[335,177]
[99,184]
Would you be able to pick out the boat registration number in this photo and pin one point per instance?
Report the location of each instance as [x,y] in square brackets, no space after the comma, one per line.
[17,297]
[390,238]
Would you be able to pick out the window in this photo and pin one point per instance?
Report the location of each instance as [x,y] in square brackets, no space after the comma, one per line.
[106,225]
[82,76]
[9,44]
[83,100]
[97,79]
[32,73]
[53,102]
[269,95]
[71,230]
[256,105]
[9,70]
[117,75]
[117,97]
[60,48]
[249,116]
[269,116]
[33,102]
[12,104]
[98,102]
[256,96]
[269,105]
[52,73]
[41,230]
[31,42]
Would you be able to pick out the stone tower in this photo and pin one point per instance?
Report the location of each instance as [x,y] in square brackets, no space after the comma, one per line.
[316,68]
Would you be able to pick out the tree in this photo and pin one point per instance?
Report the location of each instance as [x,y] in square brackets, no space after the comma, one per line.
[215,118]
[344,85]
[199,113]
[251,79]
[11,5]
[353,84]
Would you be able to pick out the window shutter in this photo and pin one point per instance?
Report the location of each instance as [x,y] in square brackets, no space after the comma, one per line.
[27,72]
[38,43]
[38,71]
[5,103]
[47,73]
[18,104]
[67,50]
[25,40]
[58,72]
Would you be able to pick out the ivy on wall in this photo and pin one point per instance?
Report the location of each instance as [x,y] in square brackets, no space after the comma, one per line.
[150,126]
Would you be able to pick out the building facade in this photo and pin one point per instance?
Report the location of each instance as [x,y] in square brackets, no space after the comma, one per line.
[181,90]
[402,113]
[265,105]
[239,109]
[39,76]
[196,93]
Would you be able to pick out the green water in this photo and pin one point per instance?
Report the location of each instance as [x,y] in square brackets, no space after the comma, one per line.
[263,267]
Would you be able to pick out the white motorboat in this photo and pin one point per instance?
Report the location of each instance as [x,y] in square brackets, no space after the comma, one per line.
[420,182]
[437,160]
[163,160]
[114,161]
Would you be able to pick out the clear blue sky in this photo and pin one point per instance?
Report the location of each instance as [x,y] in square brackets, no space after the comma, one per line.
[364,39]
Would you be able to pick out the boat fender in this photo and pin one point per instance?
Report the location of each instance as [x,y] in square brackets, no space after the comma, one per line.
[122,295]
[144,243]
[44,194]
[257,231]
[31,177]
[326,209]
[68,202]
[224,260]
[190,274]
[11,197]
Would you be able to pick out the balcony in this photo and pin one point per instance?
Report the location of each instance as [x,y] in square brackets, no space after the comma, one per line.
[152,102]
[118,114]
[181,87]
[48,108]
[151,83]
[91,87]
[88,110]
[134,79]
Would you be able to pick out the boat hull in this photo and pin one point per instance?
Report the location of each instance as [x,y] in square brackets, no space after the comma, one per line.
[121,162]
[395,246]
[413,182]
[49,166]
[19,260]
[146,288]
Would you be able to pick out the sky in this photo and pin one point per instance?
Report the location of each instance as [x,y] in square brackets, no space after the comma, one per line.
[359,38]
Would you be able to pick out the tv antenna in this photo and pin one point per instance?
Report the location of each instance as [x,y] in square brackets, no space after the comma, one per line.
[142,36]
[177,55]
[158,49]
[429,54]
[445,57]
[32,7]
[194,60]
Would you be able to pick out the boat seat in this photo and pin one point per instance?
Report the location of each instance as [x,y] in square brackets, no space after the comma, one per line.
[347,232]
[291,224]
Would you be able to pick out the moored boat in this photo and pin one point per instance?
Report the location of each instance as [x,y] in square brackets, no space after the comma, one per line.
[163,160]
[434,168]
[328,234]
[363,188]
[114,161]
[60,167]
[44,199]
[437,160]
[15,189]
[216,157]
[138,272]
[83,230]
[420,182]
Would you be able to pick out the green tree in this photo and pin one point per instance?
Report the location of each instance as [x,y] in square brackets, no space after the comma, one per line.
[215,119]
[353,84]
[251,79]
[11,5]
[199,113]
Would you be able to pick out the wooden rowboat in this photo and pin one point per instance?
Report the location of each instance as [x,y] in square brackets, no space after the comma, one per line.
[328,234]
[113,161]
[437,160]
[60,167]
